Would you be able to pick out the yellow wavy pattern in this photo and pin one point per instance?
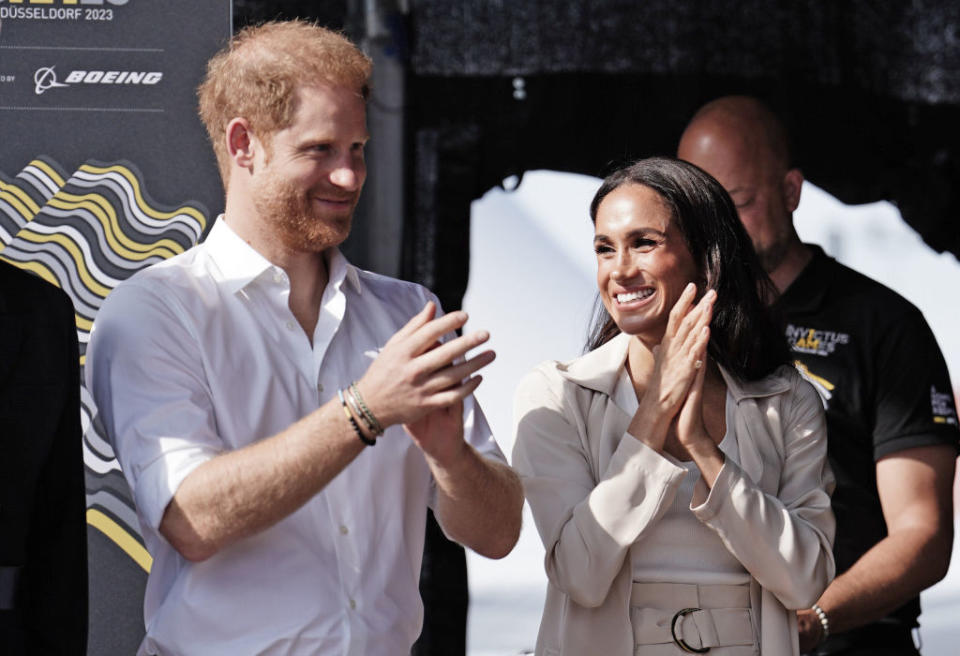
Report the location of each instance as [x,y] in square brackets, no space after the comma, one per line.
[106,214]
[90,202]
[19,199]
[142,204]
[121,537]
[49,171]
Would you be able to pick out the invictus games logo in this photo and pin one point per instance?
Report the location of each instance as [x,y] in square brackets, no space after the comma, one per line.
[45,78]
[816,342]
[941,403]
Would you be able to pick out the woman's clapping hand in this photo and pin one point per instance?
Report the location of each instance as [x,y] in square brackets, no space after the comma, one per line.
[672,400]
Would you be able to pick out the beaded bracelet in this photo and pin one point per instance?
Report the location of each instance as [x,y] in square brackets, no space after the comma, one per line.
[824,620]
[353,422]
[365,412]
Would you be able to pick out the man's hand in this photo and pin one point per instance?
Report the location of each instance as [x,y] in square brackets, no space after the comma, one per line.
[413,376]
[421,383]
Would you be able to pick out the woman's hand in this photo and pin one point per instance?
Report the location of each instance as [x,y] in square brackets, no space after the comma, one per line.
[678,359]
[692,434]
[684,345]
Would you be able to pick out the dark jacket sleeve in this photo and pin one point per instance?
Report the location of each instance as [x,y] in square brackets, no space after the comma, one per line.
[53,582]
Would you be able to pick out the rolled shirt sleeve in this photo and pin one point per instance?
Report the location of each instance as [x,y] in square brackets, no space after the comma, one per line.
[146,376]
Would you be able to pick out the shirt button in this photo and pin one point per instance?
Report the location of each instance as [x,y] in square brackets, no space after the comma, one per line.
[290,325]
[320,387]
[277,276]
[353,604]
[344,530]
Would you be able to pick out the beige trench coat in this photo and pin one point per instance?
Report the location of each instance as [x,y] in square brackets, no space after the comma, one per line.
[595,490]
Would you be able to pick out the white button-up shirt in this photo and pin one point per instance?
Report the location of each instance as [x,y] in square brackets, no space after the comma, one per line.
[200,354]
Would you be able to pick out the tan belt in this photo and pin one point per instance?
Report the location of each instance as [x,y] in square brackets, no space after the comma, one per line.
[672,618]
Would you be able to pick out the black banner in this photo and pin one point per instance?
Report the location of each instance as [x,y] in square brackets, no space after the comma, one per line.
[105,169]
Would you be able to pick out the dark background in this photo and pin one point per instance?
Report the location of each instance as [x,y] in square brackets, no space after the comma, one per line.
[869,90]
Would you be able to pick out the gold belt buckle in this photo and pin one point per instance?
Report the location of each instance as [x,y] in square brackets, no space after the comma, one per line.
[680,643]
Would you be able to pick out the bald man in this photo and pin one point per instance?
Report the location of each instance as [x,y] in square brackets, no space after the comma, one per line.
[892,427]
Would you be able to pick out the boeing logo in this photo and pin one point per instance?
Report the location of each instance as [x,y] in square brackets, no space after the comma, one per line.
[46,78]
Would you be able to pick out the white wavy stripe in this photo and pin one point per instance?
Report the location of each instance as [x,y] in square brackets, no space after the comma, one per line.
[97,445]
[15,216]
[89,410]
[93,461]
[86,411]
[78,238]
[123,188]
[92,179]
[132,214]
[105,250]
[35,175]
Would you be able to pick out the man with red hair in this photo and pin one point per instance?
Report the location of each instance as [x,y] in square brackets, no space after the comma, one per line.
[284,419]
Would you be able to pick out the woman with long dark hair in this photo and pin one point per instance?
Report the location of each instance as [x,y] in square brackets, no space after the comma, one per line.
[677,472]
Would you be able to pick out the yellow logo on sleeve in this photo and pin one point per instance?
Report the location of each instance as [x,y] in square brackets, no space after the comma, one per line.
[941,403]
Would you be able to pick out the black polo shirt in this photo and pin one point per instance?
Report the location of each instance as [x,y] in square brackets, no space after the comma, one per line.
[883,380]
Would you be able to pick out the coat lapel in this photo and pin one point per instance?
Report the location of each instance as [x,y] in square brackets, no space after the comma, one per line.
[753,444]
[598,369]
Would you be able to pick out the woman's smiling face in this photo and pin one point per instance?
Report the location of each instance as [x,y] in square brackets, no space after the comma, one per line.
[643,263]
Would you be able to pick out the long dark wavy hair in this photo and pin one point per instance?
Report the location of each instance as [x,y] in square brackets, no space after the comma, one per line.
[745,337]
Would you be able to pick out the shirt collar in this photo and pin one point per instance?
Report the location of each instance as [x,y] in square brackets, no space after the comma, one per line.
[340,269]
[599,370]
[239,264]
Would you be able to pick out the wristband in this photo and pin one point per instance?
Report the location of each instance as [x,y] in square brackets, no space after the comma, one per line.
[353,422]
[365,412]
[358,411]
[824,620]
